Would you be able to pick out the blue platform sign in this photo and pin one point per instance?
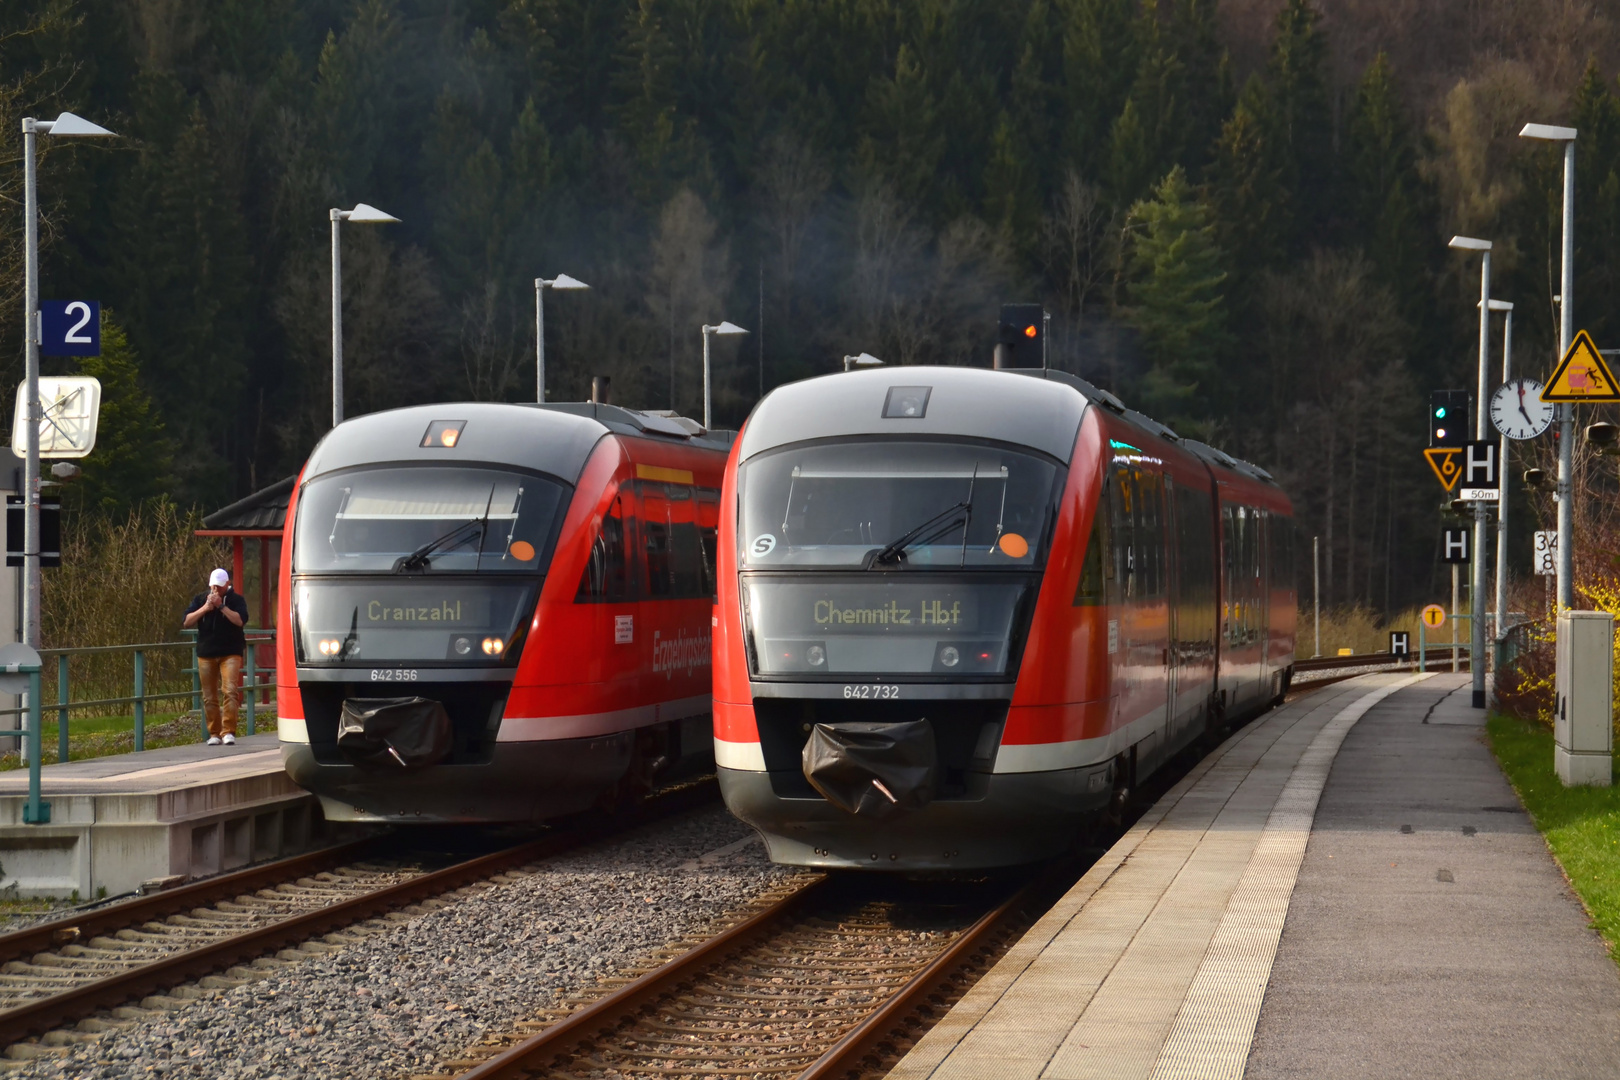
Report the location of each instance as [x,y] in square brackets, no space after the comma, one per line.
[70,328]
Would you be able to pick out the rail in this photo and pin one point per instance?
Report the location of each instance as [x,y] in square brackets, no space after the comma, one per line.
[140,696]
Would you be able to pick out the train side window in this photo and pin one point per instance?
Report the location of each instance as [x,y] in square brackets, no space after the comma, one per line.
[656,542]
[686,552]
[1097,568]
[607,578]
[708,532]
[1151,536]
[1123,518]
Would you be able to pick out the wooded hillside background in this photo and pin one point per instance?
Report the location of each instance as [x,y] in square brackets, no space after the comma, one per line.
[1235,212]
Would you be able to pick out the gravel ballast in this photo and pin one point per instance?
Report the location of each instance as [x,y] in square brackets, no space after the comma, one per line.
[414,995]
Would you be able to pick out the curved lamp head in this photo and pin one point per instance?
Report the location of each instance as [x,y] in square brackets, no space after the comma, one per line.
[563,281]
[1547,132]
[366,214]
[70,125]
[1469,243]
[724,328]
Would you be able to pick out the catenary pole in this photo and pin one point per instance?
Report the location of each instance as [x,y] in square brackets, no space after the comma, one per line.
[540,340]
[337,317]
[1502,504]
[1477,586]
[31,573]
[1566,417]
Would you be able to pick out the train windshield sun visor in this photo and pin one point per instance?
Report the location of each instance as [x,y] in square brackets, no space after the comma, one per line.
[427,520]
[897,505]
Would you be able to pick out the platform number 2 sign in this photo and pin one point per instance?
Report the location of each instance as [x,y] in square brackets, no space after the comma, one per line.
[70,328]
[1546,557]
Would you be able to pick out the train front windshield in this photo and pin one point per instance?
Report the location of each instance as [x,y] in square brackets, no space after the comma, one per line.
[917,557]
[420,565]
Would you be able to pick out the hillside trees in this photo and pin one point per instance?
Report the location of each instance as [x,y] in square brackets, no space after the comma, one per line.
[1182,187]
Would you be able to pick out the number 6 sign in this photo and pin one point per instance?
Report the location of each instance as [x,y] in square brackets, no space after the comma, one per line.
[69,328]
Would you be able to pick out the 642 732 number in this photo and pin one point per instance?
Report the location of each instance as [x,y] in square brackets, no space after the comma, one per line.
[872,691]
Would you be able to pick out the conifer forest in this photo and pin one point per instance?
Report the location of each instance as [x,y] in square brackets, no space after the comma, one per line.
[1236,213]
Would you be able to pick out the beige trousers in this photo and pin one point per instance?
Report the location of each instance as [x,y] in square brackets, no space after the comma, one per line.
[221,673]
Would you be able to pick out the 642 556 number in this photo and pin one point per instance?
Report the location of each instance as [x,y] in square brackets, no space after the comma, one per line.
[872,691]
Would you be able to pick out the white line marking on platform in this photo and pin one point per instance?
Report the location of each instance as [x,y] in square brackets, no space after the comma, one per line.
[244,764]
[1214,1029]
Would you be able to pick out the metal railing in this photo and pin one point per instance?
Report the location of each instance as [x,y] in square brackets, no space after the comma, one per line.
[1460,650]
[140,697]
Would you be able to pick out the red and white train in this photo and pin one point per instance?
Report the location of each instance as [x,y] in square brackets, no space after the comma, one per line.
[992,602]
[539,578]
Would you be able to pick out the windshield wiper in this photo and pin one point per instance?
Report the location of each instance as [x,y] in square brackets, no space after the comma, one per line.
[895,551]
[418,559]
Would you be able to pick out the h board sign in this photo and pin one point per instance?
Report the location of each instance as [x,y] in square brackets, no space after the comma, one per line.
[1456,545]
[1400,643]
[1479,472]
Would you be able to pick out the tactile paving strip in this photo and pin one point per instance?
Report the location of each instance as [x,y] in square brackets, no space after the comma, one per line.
[1215,1027]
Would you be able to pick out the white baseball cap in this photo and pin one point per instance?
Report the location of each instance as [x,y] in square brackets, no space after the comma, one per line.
[219,577]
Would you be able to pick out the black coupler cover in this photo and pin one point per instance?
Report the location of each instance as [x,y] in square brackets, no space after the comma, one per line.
[871,769]
[399,733]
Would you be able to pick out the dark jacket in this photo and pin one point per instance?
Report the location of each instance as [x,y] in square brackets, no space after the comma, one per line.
[216,635]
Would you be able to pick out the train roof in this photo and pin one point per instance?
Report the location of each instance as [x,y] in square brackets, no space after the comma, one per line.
[976,402]
[962,401]
[554,438]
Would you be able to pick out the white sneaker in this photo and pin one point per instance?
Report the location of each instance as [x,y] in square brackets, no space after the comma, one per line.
[213,740]
[230,740]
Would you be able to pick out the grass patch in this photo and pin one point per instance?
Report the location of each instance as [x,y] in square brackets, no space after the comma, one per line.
[1581,824]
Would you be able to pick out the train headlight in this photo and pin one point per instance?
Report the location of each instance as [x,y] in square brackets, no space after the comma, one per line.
[949,656]
[463,646]
[493,646]
[815,656]
[330,646]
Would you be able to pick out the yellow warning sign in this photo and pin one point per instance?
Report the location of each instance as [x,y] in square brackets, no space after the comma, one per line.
[1446,461]
[1434,616]
[1581,375]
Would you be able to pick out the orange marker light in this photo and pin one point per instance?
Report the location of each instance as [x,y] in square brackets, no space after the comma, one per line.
[1014,545]
[448,436]
[1029,331]
[522,550]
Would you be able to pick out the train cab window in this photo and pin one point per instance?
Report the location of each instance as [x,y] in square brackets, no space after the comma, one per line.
[427,519]
[1122,511]
[923,504]
[607,572]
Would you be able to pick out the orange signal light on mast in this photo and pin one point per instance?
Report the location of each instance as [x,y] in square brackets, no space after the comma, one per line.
[1030,331]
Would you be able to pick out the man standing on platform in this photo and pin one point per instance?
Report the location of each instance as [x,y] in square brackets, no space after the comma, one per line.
[218,616]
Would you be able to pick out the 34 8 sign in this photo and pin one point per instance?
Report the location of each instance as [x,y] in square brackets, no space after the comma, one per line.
[1546,553]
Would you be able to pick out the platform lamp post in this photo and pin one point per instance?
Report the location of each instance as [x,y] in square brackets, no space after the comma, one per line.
[362,214]
[1502,474]
[561,281]
[1566,333]
[64,126]
[1476,586]
[708,332]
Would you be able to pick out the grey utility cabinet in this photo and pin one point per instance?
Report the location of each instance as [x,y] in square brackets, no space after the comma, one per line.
[1583,717]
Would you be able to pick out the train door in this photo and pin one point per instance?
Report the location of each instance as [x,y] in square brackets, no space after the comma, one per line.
[1172,612]
[1195,616]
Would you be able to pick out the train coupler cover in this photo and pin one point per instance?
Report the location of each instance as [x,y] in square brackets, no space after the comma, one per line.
[871,769]
[403,732]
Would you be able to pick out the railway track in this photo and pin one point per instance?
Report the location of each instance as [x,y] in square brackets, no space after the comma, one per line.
[828,977]
[122,961]
[1439,659]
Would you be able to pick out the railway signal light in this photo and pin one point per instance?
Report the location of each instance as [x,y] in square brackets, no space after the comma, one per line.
[1021,339]
[1448,418]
